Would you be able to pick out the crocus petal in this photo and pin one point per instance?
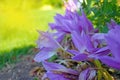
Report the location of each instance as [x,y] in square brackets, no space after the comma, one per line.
[69,71]
[84,74]
[99,39]
[98,52]
[113,42]
[102,51]
[85,23]
[78,42]
[92,74]
[72,21]
[51,66]
[53,26]
[87,74]
[112,24]
[98,36]
[62,23]
[74,52]
[44,54]
[53,76]
[60,36]
[87,41]
[46,40]
[110,61]
[80,57]
[81,41]
[44,76]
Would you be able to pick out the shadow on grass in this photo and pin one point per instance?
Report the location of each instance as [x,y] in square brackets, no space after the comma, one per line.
[13,56]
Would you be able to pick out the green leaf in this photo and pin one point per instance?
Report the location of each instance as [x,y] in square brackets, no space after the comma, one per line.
[98,65]
[99,75]
[107,76]
[102,72]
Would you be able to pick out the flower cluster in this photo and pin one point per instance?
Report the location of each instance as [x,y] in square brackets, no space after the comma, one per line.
[80,49]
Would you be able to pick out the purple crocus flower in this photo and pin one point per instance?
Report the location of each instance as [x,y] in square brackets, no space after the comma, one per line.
[82,41]
[87,49]
[48,44]
[58,72]
[113,41]
[71,21]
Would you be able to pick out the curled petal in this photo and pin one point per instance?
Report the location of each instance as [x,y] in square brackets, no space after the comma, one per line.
[44,54]
[110,61]
[54,67]
[80,57]
[51,66]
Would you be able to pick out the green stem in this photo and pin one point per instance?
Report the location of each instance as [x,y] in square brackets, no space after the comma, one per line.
[102,72]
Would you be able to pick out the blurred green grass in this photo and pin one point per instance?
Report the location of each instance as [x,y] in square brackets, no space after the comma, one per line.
[18,31]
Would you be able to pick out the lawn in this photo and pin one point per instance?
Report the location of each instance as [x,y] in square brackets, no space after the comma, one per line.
[18,31]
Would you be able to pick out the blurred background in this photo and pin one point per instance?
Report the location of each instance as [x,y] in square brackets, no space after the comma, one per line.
[20,20]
